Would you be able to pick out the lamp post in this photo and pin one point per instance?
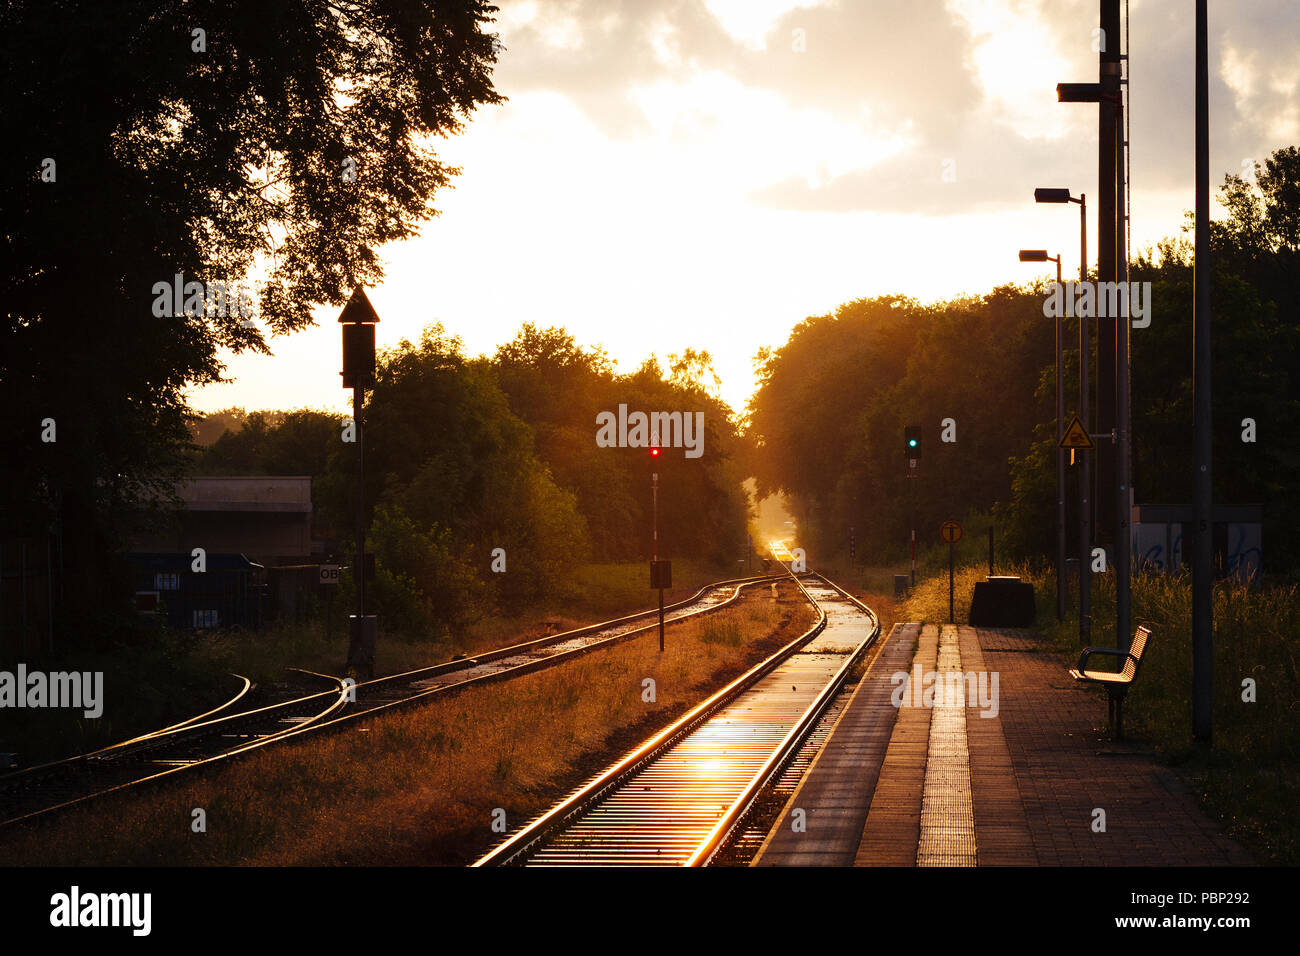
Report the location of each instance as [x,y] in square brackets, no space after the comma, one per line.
[1040,255]
[1063,196]
[1113,504]
[1056,195]
[358,319]
[1106,225]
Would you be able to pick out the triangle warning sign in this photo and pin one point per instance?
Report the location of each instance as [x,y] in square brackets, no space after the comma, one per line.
[1076,436]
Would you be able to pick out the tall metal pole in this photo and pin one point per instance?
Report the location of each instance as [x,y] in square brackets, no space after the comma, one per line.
[1123,423]
[1083,237]
[1085,571]
[49,590]
[951,577]
[1060,464]
[911,496]
[654,506]
[22,588]
[1085,483]
[1203,503]
[1109,75]
[358,390]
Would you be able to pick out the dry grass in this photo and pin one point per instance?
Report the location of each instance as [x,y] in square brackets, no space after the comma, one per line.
[160,678]
[420,787]
[928,601]
[599,592]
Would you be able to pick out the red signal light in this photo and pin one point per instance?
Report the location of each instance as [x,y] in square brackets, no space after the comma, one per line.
[654,452]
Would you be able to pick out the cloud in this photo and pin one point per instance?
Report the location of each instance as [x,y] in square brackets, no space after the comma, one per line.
[597,51]
[965,87]
[990,167]
[902,61]
[1250,46]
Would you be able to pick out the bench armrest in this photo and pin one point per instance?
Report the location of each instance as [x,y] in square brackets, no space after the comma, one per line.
[1089,651]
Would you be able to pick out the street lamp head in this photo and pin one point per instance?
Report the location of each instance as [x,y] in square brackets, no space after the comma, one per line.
[1051,195]
[1078,92]
[1033,255]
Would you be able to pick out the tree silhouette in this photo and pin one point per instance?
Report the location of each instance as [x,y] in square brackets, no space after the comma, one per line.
[275,143]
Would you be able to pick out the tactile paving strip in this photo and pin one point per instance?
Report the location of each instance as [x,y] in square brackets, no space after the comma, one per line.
[947,815]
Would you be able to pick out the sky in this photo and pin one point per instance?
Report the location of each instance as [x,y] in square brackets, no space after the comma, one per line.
[708,173]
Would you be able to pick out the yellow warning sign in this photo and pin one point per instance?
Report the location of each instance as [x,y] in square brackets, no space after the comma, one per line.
[1076,436]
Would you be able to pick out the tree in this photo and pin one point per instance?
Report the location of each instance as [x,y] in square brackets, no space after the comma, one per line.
[559,387]
[1256,353]
[450,457]
[208,427]
[276,142]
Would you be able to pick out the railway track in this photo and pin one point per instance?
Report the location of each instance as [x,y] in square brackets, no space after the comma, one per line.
[679,797]
[28,793]
[400,689]
[223,732]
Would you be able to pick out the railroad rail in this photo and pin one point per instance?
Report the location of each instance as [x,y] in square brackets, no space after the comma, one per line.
[217,734]
[124,746]
[678,798]
[26,794]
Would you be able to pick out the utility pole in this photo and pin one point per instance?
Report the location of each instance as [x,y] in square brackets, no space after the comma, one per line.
[1203,489]
[1085,571]
[1123,408]
[1107,155]
[1085,486]
[1060,463]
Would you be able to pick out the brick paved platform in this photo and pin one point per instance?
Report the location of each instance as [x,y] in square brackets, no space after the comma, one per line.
[1038,770]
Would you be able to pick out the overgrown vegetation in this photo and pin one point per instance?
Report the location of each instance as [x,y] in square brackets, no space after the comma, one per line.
[419,787]
[828,418]
[209,173]
[154,677]
[465,456]
[1249,778]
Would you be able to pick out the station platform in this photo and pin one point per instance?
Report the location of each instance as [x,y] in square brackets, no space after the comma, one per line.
[1016,770]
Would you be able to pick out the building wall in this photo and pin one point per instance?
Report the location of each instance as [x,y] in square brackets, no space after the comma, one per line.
[263,537]
[1158,545]
[265,517]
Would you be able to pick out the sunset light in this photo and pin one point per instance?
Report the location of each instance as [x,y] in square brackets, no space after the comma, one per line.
[832,445]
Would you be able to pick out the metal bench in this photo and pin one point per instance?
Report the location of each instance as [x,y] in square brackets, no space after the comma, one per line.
[1116,683]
